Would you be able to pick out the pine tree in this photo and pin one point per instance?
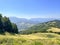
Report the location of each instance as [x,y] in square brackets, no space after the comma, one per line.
[7,24]
[14,27]
[1,25]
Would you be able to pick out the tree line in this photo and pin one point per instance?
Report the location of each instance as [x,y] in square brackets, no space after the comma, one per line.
[7,26]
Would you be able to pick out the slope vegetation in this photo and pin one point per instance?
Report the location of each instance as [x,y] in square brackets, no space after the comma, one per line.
[44,27]
[31,39]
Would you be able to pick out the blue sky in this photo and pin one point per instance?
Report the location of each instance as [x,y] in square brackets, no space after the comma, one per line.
[30,8]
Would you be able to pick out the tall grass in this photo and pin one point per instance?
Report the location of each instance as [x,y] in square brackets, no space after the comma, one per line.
[30,39]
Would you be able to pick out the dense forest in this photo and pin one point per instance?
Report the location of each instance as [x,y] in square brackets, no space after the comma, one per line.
[7,26]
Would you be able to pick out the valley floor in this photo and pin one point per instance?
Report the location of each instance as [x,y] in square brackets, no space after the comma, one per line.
[31,39]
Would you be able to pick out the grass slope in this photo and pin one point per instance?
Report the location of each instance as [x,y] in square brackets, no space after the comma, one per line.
[31,39]
[54,29]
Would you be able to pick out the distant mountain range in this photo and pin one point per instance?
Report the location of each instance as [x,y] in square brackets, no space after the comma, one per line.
[32,20]
[23,23]
[50,26]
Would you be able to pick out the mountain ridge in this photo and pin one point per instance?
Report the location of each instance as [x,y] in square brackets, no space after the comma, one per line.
[44,27]
[23,23]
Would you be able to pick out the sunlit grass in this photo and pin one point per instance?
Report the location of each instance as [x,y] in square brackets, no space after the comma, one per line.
[54,29]
[31,39]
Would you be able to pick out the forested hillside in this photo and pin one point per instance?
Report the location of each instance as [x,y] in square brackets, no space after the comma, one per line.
[7,26]
[44,27]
